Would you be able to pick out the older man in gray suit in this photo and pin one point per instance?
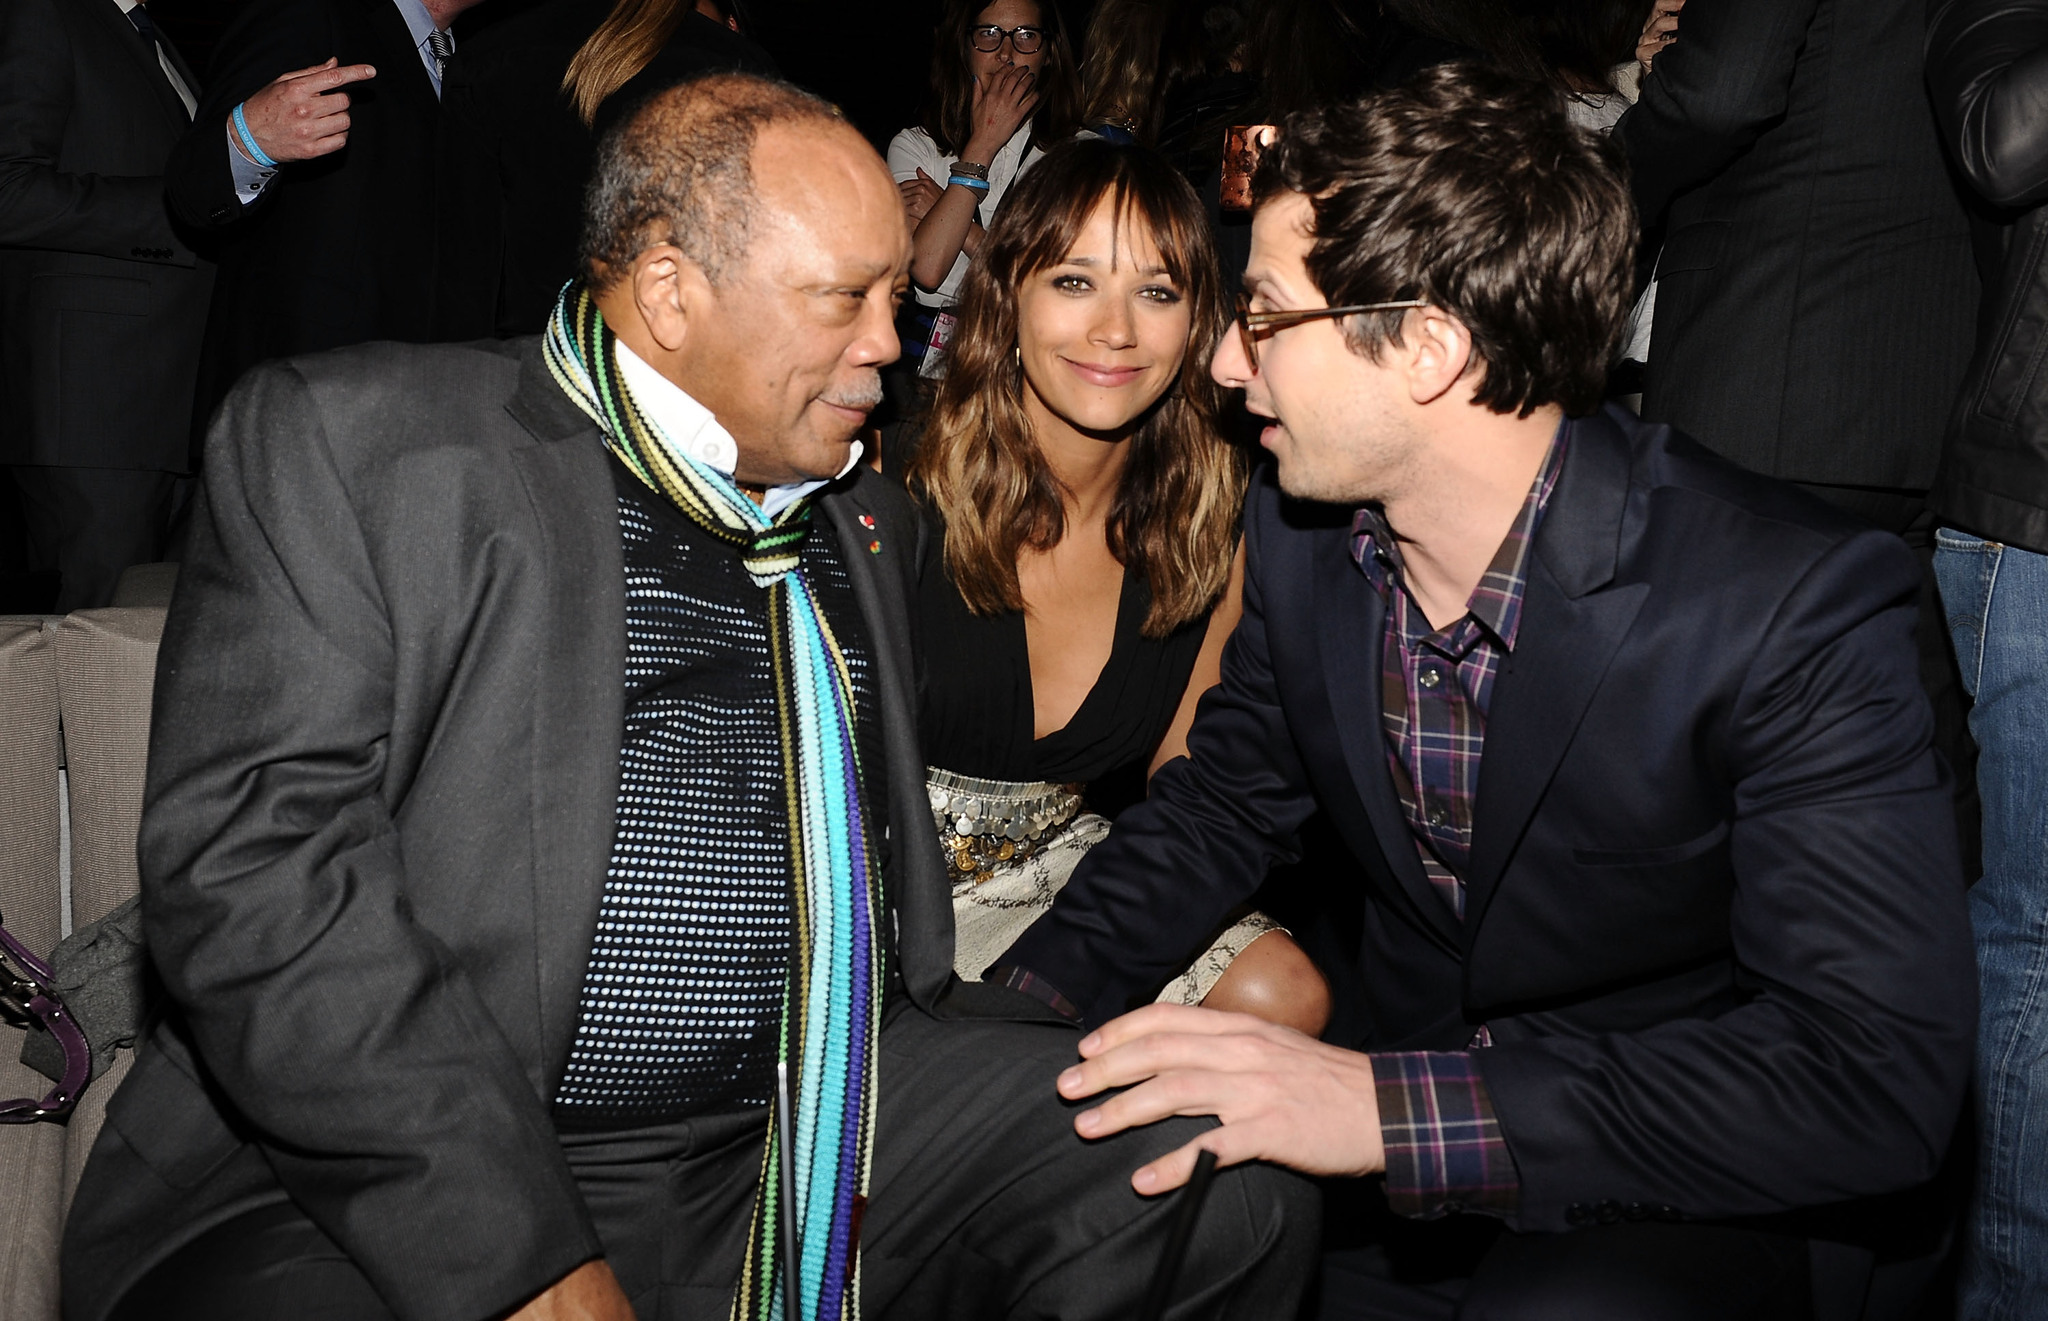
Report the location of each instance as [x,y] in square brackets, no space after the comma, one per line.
[535,776]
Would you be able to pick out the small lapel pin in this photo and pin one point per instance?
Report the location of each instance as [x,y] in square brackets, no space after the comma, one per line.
[867,520]
[874,548]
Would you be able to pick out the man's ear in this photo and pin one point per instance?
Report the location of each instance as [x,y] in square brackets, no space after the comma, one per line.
[1438,350]
[669,291]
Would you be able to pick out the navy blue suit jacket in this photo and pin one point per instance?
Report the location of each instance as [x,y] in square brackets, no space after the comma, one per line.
[1715,918]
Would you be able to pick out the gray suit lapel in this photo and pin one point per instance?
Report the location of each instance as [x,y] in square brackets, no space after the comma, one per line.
[579,696]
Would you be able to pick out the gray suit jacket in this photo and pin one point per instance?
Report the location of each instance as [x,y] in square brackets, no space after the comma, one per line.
[379,813]
[102,302]
[1816,293]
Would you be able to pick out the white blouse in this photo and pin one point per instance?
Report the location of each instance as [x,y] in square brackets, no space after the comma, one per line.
[913,150]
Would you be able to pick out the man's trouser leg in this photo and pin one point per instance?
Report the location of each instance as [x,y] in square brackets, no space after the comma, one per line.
[985,1204]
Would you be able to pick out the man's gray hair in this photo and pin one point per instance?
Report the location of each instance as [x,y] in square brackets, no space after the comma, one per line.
[679,170]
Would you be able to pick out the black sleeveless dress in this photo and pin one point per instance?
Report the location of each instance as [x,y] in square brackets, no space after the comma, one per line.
[1012,834]
[978,715]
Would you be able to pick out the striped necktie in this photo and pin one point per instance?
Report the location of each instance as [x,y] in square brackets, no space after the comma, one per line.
[443,47]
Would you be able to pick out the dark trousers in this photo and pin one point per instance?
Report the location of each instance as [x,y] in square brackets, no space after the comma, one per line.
[983,1204]
[1379,1267]
[88,524]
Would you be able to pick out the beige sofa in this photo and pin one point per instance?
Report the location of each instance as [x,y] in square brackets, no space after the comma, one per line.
[74,697]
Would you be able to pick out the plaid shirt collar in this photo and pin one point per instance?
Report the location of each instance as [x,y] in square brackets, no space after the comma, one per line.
[1496,604]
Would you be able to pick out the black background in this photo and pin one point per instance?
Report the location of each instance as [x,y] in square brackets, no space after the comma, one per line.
[872,59]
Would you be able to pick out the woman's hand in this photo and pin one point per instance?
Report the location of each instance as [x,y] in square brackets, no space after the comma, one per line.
[919,194]
[1002,105]
[1659,32]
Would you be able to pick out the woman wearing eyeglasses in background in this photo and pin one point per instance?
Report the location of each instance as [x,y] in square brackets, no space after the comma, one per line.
[1003,89]
[1083,571]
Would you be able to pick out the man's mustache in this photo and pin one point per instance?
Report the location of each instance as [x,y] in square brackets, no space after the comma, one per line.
[866,395]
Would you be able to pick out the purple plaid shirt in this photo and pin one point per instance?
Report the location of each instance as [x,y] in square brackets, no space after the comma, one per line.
[1444,1149]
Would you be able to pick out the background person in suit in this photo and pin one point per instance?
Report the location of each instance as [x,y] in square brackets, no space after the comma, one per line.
[516,144]
[1816,294]
[102,299]
[1663,922]
[1815,289]
[321,197]
[478,962]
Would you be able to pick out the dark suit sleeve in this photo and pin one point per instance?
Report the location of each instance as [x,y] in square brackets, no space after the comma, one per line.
[1144,901]
[1842,1073]
[42,206]
[1710,94]
[265,41]
[347,1038]
[1987,67]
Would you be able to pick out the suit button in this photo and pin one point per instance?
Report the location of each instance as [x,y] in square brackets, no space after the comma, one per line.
[1607,1212]
[1669,1213]
[222,216]
[1577,1214]
[1637,1211]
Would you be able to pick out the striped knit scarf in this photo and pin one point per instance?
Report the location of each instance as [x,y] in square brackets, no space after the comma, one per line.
[831,1007]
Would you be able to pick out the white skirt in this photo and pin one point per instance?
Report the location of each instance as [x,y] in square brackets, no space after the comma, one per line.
[994,904]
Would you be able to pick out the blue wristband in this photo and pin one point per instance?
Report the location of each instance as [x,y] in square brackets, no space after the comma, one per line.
[979,185]
[249,139]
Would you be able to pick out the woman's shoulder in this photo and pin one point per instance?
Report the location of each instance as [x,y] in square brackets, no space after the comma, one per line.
[912,148]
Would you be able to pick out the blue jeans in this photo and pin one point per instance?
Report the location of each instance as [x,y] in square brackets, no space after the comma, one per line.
[1996,600]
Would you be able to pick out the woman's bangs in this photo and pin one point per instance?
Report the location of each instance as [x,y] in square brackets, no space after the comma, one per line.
[1149,211]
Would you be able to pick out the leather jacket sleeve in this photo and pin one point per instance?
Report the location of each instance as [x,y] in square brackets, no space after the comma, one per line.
[1987,68]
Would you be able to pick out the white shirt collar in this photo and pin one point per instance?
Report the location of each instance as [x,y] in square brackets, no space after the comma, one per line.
[690,427]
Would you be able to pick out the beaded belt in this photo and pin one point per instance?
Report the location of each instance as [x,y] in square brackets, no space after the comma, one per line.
[984,824]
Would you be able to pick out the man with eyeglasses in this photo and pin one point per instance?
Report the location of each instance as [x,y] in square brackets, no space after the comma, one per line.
[1658,970]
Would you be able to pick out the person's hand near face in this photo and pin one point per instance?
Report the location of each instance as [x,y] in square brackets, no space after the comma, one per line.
[1005,80]
[1101,334]
[1003,103]
[1659,32]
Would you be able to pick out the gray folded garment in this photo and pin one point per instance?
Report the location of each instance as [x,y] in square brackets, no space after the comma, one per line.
[101,972]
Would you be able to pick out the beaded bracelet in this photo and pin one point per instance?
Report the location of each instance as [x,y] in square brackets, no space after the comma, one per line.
[979,185]
[249,140]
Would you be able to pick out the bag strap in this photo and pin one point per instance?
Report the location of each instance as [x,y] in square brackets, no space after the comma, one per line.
[26,989]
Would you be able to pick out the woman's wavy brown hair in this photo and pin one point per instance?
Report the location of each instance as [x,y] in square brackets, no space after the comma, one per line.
[1176,511]
[624,44]
[949,107]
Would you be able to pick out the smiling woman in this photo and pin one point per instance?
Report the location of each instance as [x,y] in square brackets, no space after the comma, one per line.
[1075,605]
